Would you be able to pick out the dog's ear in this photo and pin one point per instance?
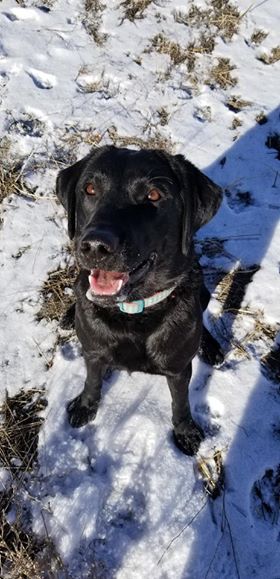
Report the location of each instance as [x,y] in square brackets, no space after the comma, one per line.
[201,197]
[66,191]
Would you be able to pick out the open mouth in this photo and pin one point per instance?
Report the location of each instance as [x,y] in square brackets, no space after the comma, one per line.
[111,283]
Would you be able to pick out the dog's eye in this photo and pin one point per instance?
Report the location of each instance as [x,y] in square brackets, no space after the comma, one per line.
[89,189]
[154,194]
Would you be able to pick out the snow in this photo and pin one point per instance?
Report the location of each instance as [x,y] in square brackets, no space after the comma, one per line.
[114,494]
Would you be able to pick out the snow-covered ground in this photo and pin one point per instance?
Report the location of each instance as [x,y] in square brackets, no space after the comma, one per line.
[116,497]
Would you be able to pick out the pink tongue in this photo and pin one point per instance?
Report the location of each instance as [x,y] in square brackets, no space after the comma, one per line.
[106,283]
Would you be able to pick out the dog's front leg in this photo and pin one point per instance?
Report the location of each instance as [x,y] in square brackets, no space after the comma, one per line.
[84,407]
[187,434]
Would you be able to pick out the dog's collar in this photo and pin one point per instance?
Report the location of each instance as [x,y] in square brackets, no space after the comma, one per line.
[138,306]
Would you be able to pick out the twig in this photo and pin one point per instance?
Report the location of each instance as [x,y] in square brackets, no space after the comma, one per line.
[231,537]
[182,530]
[215,553]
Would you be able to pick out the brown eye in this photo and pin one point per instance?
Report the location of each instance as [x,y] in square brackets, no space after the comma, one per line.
[154,195]
[89,189]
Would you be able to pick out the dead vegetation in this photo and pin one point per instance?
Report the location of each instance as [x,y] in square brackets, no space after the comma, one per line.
[56,293]
[231,290]
[22,555]
[222,15]
[270,365]
[236,104]
[92,21]
[261,118]
[258,36]
[134,9]
[11,173]
[220,74]
[156,141]
[178,55]
[11,181]
[19,430]
[272,57]
[236,123]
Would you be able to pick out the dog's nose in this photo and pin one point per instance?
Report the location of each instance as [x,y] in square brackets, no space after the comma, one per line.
[99,242]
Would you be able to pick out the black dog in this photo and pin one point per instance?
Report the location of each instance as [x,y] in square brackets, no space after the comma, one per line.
[139,293]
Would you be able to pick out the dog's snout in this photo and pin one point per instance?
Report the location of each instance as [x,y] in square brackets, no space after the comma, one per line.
[100,242]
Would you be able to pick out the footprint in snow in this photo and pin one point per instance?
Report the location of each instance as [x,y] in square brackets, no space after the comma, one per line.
[20,13]
[42,79]
[209,414]
[265,497]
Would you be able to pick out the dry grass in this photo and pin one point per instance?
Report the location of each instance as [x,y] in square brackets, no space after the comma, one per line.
[134,9]
[55,297]
[235,103]
[179,55]
[22,555]
[258,36]
[75,136]
[231,289]
[261,118]
[19,430]
[271,58]
[92,21]
[220,75]
[221,14]
[236,123]
[10,181]
[271,365]
[163,116]
[156,141]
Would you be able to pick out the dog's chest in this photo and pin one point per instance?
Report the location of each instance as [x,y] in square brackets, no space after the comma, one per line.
[131,354]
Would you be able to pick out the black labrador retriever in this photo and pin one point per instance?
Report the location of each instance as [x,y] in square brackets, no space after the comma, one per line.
[140,294]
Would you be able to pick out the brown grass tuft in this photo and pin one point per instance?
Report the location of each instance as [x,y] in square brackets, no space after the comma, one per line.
[10,181]
[134,9]
[221,14]
[231,289]
[156,141]
[220,74]
[235,103]
[92,21]
[178,55]
[271,58]
[258,36]
[271,365]
[56,300]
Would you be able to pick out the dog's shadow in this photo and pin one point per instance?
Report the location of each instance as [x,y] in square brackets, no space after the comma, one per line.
[240,539]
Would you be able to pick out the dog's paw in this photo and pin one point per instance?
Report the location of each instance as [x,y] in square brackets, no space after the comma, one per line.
[80,413]
[187,437]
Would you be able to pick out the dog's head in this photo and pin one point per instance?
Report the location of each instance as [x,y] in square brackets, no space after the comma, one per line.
[132,215]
